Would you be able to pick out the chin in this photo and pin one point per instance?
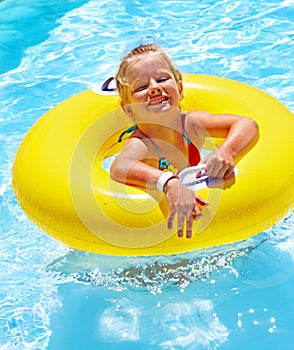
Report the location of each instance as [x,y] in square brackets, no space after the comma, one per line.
[163,108]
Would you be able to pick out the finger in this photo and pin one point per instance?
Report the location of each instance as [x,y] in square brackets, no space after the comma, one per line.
[229,172]
[196,213]
[201,201]
[216,171]
[180,225]
[180,233]
[171,219]
[189,227]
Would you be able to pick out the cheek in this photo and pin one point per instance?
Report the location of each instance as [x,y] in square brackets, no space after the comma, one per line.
[138,96]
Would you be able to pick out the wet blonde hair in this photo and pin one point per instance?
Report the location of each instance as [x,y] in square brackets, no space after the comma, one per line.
[121,80]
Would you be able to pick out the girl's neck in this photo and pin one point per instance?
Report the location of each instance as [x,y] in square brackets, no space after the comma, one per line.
[167,131]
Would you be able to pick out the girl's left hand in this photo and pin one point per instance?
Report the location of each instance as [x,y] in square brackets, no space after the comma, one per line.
[218,164]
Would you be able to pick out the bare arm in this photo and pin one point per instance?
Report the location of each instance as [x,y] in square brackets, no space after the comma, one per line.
[128,168]
[239,132]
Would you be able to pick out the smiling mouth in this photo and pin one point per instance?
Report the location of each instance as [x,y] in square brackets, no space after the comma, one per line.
[158,101]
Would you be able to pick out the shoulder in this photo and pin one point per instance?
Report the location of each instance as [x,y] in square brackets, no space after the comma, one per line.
[194,117]
[134,149]
[194,127]
[196,120]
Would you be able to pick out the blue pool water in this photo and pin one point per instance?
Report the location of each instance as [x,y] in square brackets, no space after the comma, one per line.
[52,297]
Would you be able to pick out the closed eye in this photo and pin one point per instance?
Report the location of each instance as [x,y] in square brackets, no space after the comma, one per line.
[163,79]
[140,88]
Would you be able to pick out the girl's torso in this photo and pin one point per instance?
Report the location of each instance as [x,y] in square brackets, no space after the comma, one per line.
[175,155]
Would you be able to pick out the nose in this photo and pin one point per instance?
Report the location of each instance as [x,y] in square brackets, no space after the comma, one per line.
[155,90]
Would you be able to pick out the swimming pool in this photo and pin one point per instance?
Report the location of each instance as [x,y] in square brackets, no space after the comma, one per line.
[233,297]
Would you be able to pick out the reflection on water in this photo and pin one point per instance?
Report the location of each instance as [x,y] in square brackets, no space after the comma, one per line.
[179,324]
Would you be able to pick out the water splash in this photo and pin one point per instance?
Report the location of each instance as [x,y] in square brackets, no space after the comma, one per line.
[151,273]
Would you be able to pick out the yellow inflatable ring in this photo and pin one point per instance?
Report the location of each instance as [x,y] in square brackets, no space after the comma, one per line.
[60,177]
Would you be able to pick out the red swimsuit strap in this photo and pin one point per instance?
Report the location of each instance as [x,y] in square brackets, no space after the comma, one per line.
[194,154]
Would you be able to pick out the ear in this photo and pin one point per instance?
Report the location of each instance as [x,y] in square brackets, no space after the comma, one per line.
[128,110]
[181,90]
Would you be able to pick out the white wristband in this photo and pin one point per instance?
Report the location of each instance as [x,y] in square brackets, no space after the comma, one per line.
[163,178]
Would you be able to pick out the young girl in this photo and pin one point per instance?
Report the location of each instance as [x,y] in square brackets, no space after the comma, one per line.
[165,140]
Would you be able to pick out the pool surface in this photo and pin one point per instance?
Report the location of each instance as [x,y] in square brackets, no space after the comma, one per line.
[52,297]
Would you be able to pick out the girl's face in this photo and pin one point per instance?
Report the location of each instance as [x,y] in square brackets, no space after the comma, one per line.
[152,87]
